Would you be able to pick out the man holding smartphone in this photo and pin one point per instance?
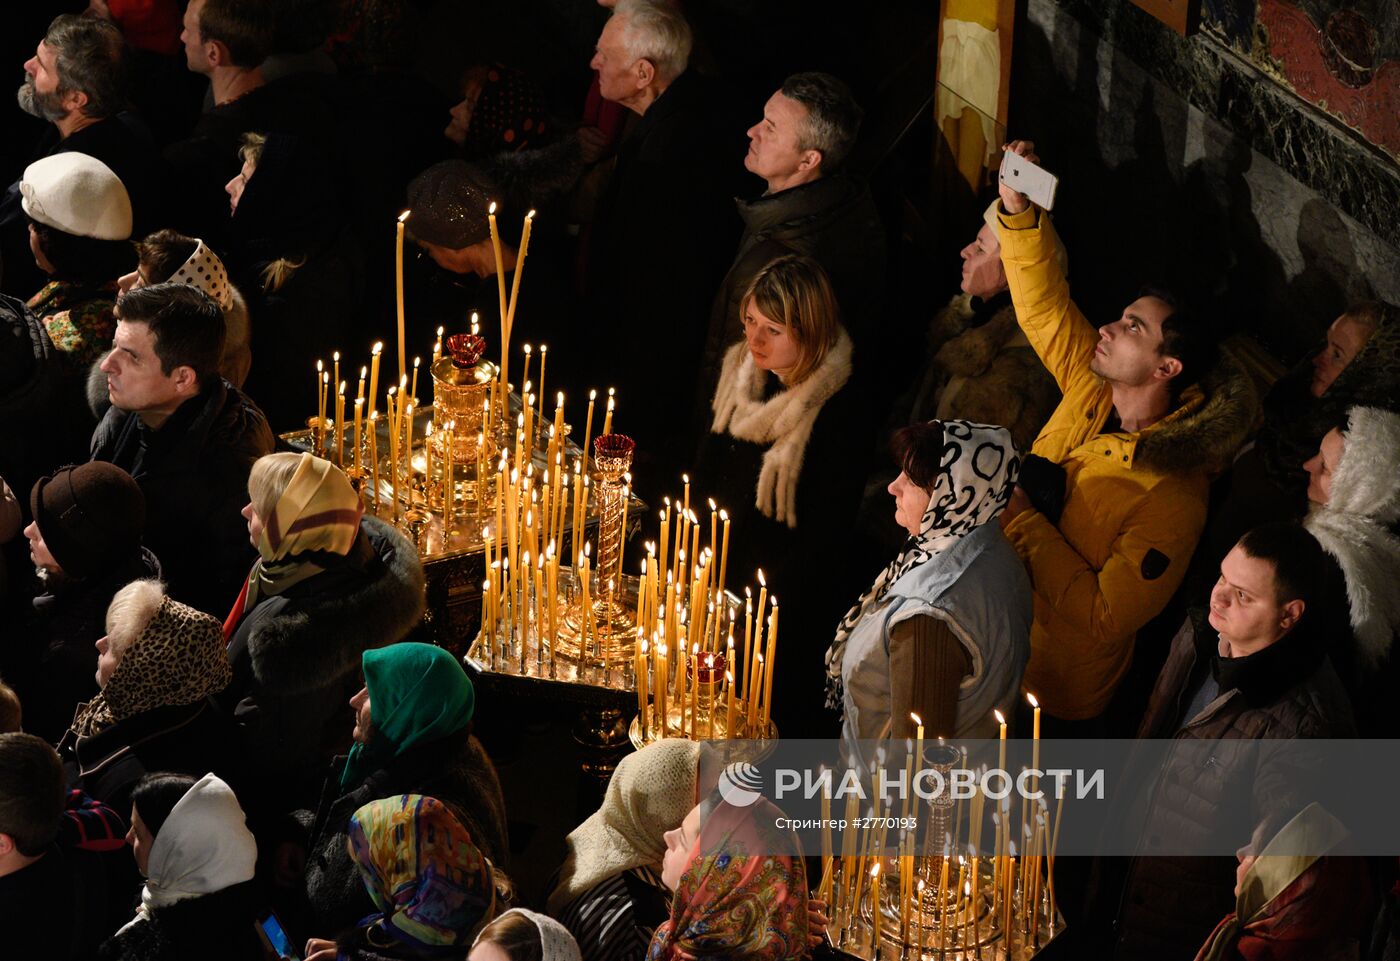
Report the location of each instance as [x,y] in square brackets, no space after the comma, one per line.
[1142,421]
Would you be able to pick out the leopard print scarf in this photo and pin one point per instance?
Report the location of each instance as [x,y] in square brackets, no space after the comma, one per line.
[179,658]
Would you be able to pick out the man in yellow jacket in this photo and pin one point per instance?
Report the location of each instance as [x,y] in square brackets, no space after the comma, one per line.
[1136,445]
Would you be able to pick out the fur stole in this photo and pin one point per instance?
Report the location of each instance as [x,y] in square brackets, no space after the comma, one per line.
[783,423]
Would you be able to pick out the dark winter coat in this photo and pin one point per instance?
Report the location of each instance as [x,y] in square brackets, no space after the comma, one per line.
[296,659]
[62,906]
[56,669]
[189,739]
[813,596]
[1285,692]
[194,473]
[832,220]
[453,769]
[656,252]
[218,926]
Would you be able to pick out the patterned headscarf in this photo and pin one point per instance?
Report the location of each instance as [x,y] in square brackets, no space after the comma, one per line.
[737,898]
[318,514]
[977,473]
[180,658]
[508,116]
[430,884]
[650,793]
[206,271]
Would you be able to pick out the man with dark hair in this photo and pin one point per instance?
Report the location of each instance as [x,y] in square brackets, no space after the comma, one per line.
[55,901]
[187,436]
[810,206]
[1113,498]
[76,80]
[1256,670]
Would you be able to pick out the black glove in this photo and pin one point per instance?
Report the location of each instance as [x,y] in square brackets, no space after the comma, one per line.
[1044,483]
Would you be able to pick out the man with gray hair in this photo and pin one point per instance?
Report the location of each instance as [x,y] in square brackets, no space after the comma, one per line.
[664,226]
[76,80]
[811,206]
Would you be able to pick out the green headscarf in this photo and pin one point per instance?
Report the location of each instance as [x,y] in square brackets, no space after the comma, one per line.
[417,693]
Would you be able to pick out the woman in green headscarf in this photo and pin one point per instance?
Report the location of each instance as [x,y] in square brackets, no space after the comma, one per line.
[413,735]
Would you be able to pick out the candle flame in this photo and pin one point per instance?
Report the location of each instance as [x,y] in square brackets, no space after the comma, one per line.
[336,356]
[417,361]
[530,215]
[592,396]
[364,372]
[921,886]
[378,347]
[917,720]
[723,515]
[1031,697]
[1000,720]
[713,505]
[761,581]
[729,676]
[492,208]
[402,217]
[320,366]
[875,870]
[748,594]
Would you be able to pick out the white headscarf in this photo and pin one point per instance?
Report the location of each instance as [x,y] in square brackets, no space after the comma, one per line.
[204,846]
[650,793]
[555,940]
[977,473]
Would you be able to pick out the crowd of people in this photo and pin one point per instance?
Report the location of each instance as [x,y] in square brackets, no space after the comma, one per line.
[220,732]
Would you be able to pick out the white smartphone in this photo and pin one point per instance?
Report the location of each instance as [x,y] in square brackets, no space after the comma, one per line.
[1037,183]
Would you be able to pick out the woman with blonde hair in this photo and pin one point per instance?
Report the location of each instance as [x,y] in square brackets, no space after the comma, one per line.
[329,583]
[785,456]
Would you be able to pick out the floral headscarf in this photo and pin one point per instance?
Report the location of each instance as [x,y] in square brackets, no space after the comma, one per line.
[977,473]
[179,659]
[737,899]
[430,884]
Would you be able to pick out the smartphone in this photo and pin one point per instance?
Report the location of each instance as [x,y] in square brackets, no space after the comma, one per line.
[1037,183]
[274,938]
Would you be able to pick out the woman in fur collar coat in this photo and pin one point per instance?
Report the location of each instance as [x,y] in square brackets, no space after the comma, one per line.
[319,595]
[1355,504]
[785,454]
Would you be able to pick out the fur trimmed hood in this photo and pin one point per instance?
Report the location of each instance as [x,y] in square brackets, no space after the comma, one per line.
[312,639]
[532,178]
[1354,527]
[1207,429]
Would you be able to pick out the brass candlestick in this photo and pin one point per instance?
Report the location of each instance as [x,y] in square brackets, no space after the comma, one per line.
[616,630]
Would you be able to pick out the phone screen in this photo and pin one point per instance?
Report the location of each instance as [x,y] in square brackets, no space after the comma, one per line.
[277,938]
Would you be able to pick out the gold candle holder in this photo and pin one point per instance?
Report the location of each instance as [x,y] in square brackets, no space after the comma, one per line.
[615,621]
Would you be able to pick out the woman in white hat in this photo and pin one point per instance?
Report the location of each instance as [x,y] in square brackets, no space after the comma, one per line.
[79,219]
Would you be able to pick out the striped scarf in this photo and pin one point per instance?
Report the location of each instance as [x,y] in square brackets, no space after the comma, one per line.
[319,513]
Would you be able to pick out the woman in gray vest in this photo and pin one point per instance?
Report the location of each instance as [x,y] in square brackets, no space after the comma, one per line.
[945,629]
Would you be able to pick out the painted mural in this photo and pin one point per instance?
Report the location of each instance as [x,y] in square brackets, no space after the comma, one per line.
[1343,56]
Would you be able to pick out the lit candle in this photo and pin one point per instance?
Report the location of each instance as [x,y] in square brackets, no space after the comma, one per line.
[374,354]
[539,388]
[875,907]
[413,391]
[607,417]
[360,394]
[723,553]
[335,357]
[588,427]
[398,271]
[320,395]
[359,422]
[639,675]
[501,288]
[437,344]
[772,661]
[340,423]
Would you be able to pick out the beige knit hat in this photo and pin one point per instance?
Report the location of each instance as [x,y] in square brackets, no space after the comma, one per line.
[78,195]
[650,793]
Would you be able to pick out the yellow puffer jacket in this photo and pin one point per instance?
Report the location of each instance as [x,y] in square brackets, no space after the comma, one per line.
[1135,503]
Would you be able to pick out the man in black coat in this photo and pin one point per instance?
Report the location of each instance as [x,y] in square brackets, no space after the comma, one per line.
[663,230]
[187,437]
[85,541]
[811,206]
[76,80]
